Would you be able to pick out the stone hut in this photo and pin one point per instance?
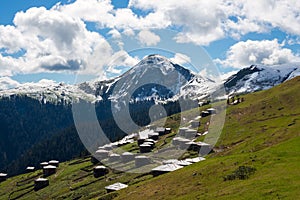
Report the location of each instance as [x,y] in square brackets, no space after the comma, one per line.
[146,147]
[161,130]
[162,169]
[127,157]
[168,130]
[182,131]
[101,154]
[49,170]
[3,177]
[205,113]
[153,136]
[141,161]
[114,157]
[190,134]
[99,171]
[40,183]
[30,169]
[115,187]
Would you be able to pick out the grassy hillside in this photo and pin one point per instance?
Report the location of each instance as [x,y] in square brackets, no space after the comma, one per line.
[261,133]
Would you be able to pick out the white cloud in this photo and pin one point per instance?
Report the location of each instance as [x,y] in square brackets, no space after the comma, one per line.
[148,38]
[203,22]
[181,59]
[8,83]
[266,52]
[121,59]
[52,41]
[200,22]
[115,34]
[58,39]
[282,14]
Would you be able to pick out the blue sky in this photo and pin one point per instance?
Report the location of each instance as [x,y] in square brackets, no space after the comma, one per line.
[79,40]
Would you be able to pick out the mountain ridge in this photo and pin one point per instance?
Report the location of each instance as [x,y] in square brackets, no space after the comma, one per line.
[156,69]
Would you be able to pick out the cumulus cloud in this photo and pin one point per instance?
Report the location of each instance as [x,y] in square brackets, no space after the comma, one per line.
[50,40]
[266,52]
[115,34]
[148,38]
[203,22]
[275,13]
[57,39]
[180,59]
[8,83]
[121,59]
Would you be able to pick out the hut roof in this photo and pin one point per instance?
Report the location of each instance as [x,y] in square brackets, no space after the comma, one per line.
[3,175]
[102,151]
[160,129]
[195,160]
[145,133]
[211,109]
[44,163]
[167,168]
[131,136]
[141,157]
[40,180]
[49,167]
[150,140]
[114,155]
[100,167]
[146,144]
[127,154]
[53,161]
[177,162]
[116,186]
[153,133]
[202,144]
[30,168]
[191,131]
[181,139]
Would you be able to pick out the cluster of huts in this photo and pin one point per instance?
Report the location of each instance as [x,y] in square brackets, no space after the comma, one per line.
[234,100]
[146,141]
[48,168]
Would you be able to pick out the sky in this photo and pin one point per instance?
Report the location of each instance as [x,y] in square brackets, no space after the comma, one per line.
[77,40]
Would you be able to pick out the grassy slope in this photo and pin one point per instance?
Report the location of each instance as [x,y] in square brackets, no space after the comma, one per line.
[262,132]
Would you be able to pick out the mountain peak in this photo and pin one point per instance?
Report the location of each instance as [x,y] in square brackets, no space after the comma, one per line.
[155,60]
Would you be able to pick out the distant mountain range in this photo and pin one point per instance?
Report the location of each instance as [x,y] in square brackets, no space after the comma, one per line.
[156,78]
[36,119]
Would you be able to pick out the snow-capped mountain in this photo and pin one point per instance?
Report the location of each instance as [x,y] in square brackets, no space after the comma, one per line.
[49,91]
[259,77]
[155,78]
